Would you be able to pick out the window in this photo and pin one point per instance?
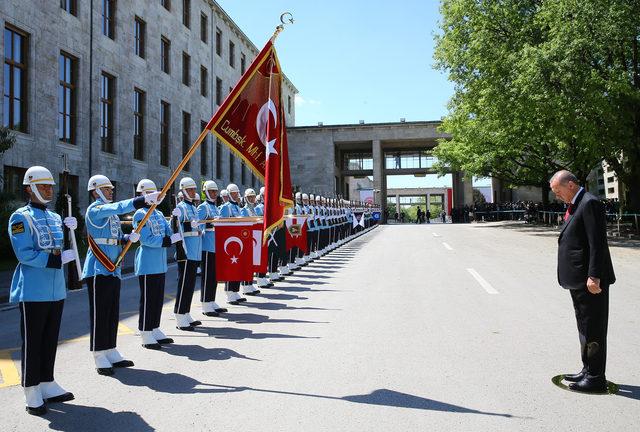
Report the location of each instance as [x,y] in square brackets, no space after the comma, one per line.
[140,36]
[204,28]
[70,6]
[186,13]
[218,159]
[218,91]
[186,136]
[232,173]
[204,81]
[67,71]
[166,4]
[289,104]
[243,63]
[232,54]
[109,18]
[219,42]
[12,180]
[186,59]
[611,190]
[204,150]
[165,119]
[107,83]
[138,124]
[165,55]
[15,79]
[611,179]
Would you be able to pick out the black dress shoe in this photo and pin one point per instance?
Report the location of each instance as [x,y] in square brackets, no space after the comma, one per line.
[152,346]
[590,385]
[37,411]
[270,284]
[65,397]
[574,377]
[105,371]
[187,328]
[123,364]
[195,323]
[256,292]
[165,341]
[222,310]
[235,302]
[242,299]
[211,314]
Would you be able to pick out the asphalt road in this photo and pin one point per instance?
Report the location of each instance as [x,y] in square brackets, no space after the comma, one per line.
[408,328]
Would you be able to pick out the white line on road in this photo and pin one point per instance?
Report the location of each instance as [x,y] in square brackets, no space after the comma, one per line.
[446,246]
[436,234]
[483,283]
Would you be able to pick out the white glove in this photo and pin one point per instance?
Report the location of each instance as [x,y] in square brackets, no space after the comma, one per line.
[70,222]
[153,198]
[195,224]
[68,255]
[134,237]
[175,238]
[176,212]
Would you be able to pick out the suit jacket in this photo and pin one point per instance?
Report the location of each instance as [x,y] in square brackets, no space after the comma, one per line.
[582,246]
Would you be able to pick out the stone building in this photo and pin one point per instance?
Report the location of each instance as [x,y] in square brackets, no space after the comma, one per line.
[120,88]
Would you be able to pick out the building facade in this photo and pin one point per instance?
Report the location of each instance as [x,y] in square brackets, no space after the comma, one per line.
[120,88]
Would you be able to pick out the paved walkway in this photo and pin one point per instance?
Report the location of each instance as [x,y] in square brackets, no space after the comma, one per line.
[409,328]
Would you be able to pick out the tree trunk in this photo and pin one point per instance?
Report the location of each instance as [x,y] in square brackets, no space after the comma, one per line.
[545,194]
[632,186]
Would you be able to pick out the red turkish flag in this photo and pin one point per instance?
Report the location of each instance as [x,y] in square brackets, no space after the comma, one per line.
[297,233]
[234,251]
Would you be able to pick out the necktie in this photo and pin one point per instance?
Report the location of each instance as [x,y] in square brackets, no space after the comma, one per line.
[568,212]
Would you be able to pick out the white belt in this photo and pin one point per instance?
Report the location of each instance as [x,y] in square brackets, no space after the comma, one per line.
[209,229]
[107,241]
[191,234]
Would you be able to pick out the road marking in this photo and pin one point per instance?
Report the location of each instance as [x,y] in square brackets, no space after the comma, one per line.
[436,234]
[483,283]
[8,371]
[446,246]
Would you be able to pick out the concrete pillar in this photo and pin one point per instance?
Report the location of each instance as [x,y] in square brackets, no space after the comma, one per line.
[398,203]
[458,192]
[379,182]
[468,190]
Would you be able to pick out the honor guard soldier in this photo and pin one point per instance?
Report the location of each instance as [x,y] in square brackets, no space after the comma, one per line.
[103,277]
[231,209]
[224,194]
[151,266]
[249,210]
[38,286]
[306,208]
[209,284]
[189,254]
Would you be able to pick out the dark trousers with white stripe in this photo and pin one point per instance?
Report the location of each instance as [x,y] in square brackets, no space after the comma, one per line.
[104,311]
[187,273]
[208,282]
[233,286]
[151,301]
[39,327]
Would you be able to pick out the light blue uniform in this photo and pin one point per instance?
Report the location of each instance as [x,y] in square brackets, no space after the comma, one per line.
[103,225]
[35,233]
[311,224]
[247,211]
[208,210]
[230,209]
[260,209]
[192,237]
[155,238]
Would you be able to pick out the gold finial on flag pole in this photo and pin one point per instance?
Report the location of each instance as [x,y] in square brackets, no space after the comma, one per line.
[286,19]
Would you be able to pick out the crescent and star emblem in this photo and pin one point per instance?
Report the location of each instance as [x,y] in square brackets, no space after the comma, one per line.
[262,122]
[234,259]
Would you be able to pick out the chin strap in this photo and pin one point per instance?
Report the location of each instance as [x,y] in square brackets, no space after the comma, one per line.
[102,197]
[36,192]
[186,196]
[206,192]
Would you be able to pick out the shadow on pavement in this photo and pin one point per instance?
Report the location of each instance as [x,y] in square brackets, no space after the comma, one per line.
[71,417]
[251,318]
[201,354]
[282,296]
[629,391]
[239,334]
[278,306]
[173,383]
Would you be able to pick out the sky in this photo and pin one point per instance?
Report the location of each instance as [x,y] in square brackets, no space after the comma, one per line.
[353,60]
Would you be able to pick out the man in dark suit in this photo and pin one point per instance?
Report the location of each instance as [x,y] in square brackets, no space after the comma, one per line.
[585,269]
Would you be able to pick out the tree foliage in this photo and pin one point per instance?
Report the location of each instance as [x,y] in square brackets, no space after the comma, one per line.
[541,86]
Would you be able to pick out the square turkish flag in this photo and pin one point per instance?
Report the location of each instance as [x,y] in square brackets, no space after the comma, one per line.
[259,250]
[234,251]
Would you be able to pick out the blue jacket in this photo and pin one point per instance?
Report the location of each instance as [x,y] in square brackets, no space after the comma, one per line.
[246,211]
[260,209]
[155,238]
[35,232]
[103,225]
[208,210]
[192,242]
[230,209]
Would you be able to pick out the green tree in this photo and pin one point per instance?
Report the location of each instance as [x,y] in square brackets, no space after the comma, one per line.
[542,86]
